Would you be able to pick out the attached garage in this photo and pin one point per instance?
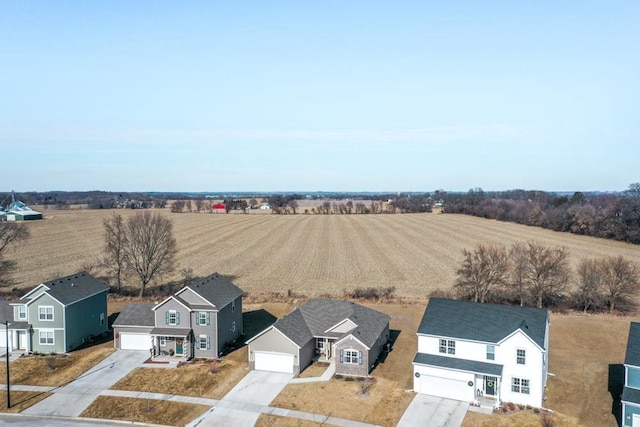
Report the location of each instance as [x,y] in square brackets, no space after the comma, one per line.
[276,362]
[444,387]
[129,341]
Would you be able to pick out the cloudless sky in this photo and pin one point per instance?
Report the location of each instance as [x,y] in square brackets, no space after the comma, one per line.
[331,95]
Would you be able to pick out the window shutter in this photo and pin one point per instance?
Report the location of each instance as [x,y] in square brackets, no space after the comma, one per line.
[166,317]
[208,318]
[341,356]
[177,317]
[208,343]
[359,358]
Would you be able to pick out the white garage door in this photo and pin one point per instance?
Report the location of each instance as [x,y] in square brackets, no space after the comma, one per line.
[135,342]
[3,338]
[276,362]
[444,387]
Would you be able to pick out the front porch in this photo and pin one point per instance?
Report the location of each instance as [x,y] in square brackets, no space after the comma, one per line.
[487,392]
[325,350]
[170,344]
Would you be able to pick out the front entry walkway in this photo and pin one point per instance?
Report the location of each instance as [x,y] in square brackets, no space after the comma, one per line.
[432,411]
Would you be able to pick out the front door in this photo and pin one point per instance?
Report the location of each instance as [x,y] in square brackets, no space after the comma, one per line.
[22,340]
[179,343]
[490,386]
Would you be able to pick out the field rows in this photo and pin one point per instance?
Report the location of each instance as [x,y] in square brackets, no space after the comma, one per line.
[309,254]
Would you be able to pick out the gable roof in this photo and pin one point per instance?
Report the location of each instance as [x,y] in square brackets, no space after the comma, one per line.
[216,289]
[482,322]
[633,345]
[6,312]
[136,315]
[73,288]
[316,316]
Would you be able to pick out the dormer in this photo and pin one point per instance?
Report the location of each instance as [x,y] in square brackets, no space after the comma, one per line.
[343,327]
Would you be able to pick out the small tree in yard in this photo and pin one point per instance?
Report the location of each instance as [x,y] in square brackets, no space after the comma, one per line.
[590,284]
[150,247]
[483,269]
[621,278]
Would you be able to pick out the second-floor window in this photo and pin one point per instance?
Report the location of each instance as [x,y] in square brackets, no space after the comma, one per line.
[202,318]
[491,352]
[447,347]
[521,356]
[22,312]
[173,317]
[45,313]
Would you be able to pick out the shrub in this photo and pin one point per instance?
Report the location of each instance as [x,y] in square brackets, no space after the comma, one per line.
[536,410]
[511,406]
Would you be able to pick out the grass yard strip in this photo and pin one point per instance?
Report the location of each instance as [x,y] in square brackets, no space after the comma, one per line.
[521,419]
[144,410]
[266,420]
[187,380]
[314,370]
[56,370]
[383,405]
[21,400]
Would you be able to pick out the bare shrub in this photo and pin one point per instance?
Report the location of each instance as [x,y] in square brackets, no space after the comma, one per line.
[546,420]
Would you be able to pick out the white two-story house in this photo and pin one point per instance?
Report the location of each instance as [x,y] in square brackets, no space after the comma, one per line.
[468,351]
[631,392]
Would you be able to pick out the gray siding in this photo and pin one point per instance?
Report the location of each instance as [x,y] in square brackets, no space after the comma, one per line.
[161,315]
[192,298]
[15,314]
[361,369]
[229,323]
[274,341]
[83,320]
[56,325]
[208,330]
[306,356]
[376,349]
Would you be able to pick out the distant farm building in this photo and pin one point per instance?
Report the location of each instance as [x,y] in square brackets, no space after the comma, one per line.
[219,208]
[265,206]
[18,211]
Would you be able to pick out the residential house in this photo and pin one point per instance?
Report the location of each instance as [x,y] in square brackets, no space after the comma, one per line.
[468,351]
[631,391]
[197,321]
[348,334]
[56,316]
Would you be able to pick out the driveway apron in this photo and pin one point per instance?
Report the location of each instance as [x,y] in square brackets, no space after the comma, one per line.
[71,400]
[432,411]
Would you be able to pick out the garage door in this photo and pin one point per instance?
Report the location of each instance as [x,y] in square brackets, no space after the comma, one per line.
[444,387]
[3,338]
[135,342]
[276,362]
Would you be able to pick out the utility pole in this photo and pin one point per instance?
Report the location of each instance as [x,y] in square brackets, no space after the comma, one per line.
[6,330]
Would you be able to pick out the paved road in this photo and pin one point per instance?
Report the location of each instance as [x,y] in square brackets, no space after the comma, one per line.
[72,399]
[431,411]
[30,421]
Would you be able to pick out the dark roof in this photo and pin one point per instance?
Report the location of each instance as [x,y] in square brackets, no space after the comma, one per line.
[216,289]
[459,364]
[631,395]
[633,345]
[136,315]
[171,332]
[75,287]
[318,315]
[482,322]
[6,312]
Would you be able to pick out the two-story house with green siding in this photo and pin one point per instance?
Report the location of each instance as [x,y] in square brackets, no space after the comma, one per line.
[197,321]
[59,315]
[631,391]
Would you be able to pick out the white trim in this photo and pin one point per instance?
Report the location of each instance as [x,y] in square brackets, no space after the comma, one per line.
[276,329]
[167,299]
[352,336]
[203,298]
[458,370]
[32,301]
[26,312]
[46,331]
[340,323]
[46,314]
[526,335]
[34,289]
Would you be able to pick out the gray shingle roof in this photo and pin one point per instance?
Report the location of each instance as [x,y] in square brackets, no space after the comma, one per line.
[631,395]
[633,345]
[482,322]
[459,364]
[318,315]
[216,289]
[136,315]
[6,312]
[75,287]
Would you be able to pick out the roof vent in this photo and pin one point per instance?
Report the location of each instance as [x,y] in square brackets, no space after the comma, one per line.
[73,285]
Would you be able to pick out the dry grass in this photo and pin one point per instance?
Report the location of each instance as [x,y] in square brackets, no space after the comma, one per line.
[187,380]
[20,400]
[416,252]
[314,370]
[520,419]
[143,410]
[266,420]
[35,370]
[384,405]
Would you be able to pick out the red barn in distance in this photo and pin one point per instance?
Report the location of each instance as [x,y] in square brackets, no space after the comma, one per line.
[219,208]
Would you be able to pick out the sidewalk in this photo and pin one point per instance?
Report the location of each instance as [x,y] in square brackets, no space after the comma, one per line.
[326,376]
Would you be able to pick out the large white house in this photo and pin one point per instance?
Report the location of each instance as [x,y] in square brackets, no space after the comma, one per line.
[469,350]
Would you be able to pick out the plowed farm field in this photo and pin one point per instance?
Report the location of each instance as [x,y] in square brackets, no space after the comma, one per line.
[307,254]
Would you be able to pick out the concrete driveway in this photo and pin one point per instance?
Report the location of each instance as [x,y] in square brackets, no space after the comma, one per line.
[431,411]
[72,399]
[257,388]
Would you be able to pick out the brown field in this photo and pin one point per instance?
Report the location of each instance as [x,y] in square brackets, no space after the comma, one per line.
[308,254]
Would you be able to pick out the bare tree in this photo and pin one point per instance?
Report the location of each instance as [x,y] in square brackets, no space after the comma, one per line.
[11,234]
[115,244]
[546,271]
[516,282]
[293,205]
[177,206]
[590,284]
[621,278]
[151,248]
[199,205]
[483,269]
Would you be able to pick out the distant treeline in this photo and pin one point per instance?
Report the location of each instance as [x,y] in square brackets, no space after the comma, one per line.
[611,216]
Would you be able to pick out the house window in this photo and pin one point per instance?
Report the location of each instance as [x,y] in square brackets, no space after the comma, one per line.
[320,343]
[491,352]
[46,337]
[521,356]
[351,357]
[233,306]
[22,312]
[233,326]
[45,313]
[173,317]
[163,341]
[102,318]
[204,343]
[447,346]
[203,318]
[519,385]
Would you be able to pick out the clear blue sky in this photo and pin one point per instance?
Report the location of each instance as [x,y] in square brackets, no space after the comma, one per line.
[331,95]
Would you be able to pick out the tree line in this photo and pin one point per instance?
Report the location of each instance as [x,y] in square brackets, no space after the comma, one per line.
[611,216]
[537,275]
